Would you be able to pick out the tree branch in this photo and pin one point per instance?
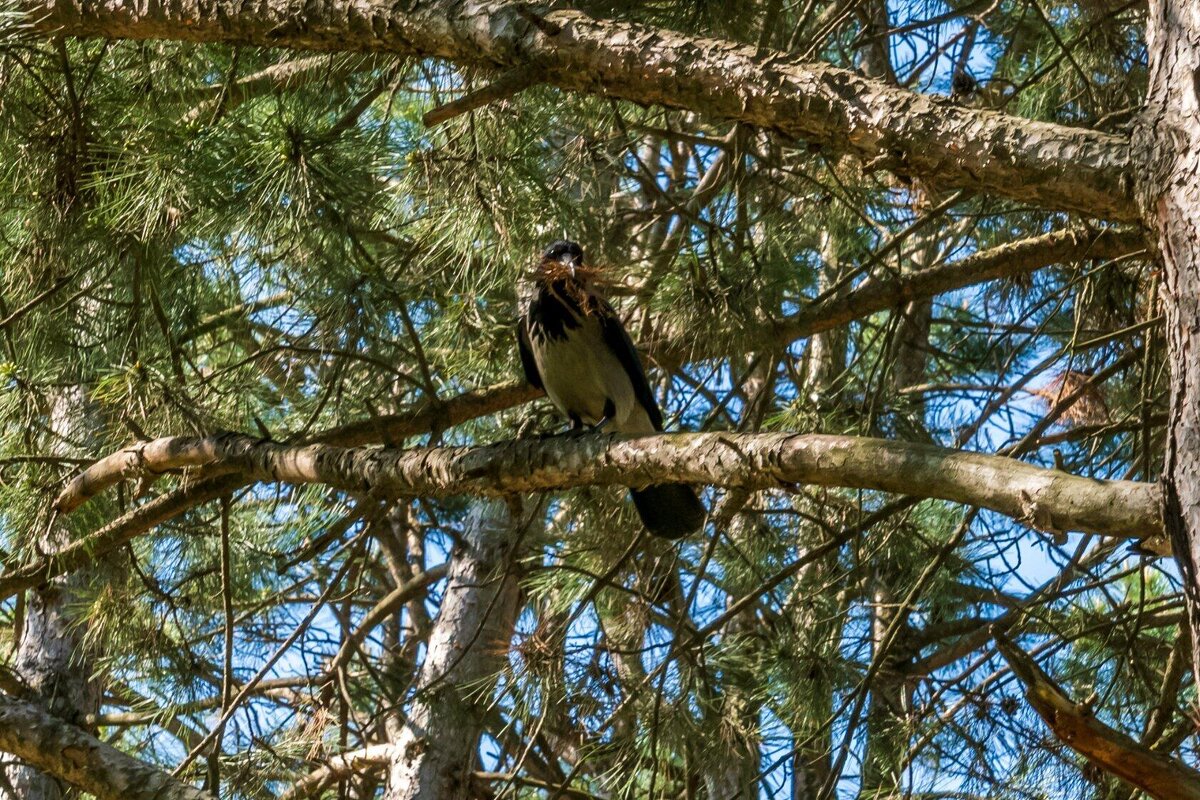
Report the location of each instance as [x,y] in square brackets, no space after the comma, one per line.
[389,605]
[1156,774]
[1002,261]
[80,759]
[373,758]
[504,86]
[1044,498]
[422,418]
[894,291]
[429,416]
[1049,165]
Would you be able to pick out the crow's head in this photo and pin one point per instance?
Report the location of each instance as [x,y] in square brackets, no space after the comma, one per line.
[562,264]
[565,255]
[561,271]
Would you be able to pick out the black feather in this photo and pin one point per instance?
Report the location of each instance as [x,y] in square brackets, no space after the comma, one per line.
[617,338]
[528,364]
[669,510]
[551,314]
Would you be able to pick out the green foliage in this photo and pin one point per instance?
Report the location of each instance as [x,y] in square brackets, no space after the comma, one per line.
[185,254]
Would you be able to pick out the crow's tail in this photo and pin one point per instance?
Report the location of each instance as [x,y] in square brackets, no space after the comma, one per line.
[669,510]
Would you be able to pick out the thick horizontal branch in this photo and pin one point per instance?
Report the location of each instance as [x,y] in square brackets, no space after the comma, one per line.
[386,428]
[421,418]
[76,757]
[1049,165]
[1156,774]
[1044,498]
[870,297]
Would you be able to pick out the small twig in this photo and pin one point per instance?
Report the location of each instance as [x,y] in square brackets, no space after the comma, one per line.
[505,86]
[249,687]
[213,783]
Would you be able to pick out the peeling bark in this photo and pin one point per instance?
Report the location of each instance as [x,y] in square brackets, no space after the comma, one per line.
[434,754]
[1167,145]
[1053,166]
[81,760]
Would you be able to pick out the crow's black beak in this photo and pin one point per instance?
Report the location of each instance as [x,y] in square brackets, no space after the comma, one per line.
[568,261]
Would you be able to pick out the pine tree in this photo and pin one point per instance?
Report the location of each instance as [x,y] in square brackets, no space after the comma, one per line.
[258,291]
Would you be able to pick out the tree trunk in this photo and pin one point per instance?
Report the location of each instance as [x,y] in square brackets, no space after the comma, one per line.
[887,712]
[1167,147]
[50,657]
[825,361]
[468,643]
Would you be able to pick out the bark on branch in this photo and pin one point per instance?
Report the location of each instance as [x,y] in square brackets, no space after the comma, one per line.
[1043,498]
[80,759]
[1049,165]
[373,758]
[1156,774]
[421,418]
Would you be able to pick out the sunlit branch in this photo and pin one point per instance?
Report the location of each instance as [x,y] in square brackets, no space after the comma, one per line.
[1053,166]
[1046,499]
[76,757]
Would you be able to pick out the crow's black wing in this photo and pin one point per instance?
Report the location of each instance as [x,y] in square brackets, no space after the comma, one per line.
[527,361]
[617,339]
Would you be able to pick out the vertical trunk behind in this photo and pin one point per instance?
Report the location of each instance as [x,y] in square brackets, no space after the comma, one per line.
[1167,152]
[50,657]
[825,362]
[825,356]
[468,643]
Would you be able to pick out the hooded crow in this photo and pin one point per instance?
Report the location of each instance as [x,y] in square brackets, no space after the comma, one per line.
[574,347]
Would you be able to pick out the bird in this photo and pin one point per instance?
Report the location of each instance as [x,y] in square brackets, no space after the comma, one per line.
[574,347]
